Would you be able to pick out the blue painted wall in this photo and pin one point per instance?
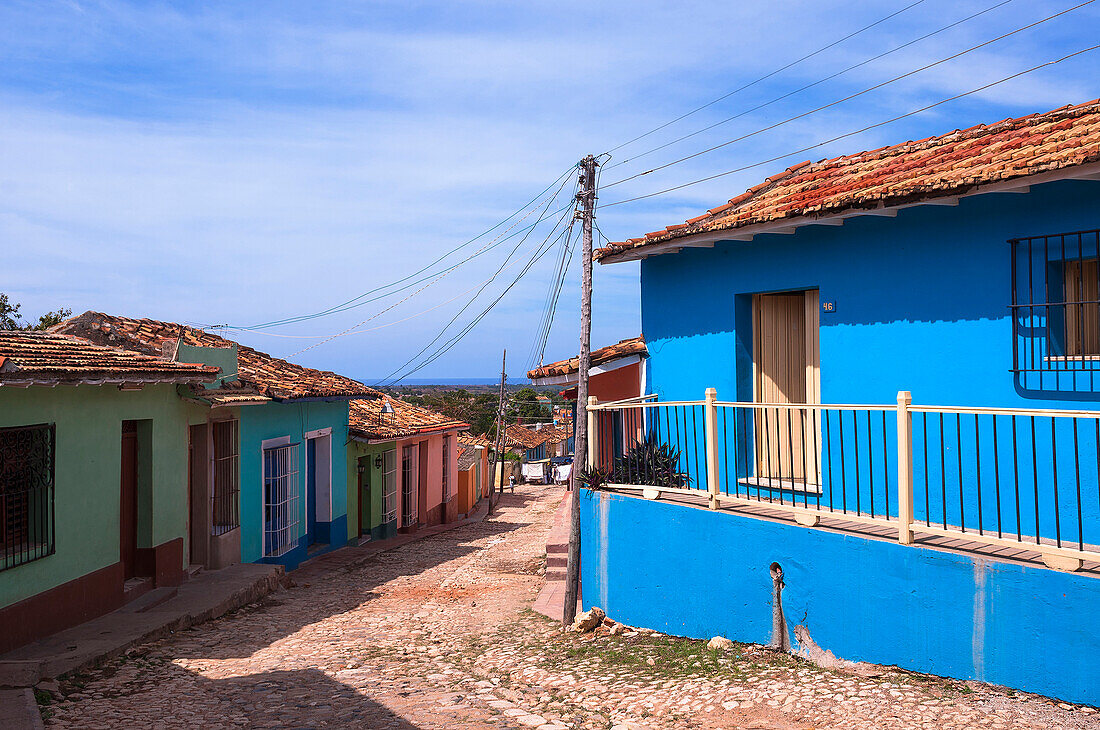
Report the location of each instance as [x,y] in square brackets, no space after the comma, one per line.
[294,419]
[922,304]
[692,572]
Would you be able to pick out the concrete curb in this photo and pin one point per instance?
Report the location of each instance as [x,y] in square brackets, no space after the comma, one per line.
[19,710]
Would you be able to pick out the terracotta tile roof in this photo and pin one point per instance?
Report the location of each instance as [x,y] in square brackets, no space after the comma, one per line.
[266,375]
[48,358]
[467,439]
[946,165]
[366,421]
[623,348]
[467,457]
[516,435]
[556,434]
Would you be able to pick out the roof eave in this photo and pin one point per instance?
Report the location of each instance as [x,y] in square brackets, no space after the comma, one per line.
[27,379]
[605,367]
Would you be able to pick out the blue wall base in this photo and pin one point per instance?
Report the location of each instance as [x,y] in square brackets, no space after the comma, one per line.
[693,572]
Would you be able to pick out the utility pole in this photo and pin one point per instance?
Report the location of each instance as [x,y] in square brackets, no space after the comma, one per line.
[500,433]
[586,199]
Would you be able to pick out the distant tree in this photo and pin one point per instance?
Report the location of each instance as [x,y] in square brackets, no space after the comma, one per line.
[527,407]
[10,318]
[49,319]
[9,314]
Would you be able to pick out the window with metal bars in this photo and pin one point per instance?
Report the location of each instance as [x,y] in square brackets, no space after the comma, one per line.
[26,494]
[446,468]
[281,495]
[226,514]
[1056,310]
[389,486]
[409,477]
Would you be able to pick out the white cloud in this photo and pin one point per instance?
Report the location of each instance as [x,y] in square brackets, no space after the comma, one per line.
[236,163]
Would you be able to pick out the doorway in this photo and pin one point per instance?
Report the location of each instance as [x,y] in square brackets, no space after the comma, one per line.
[198,495]
[422,486]
[318,487]
[363,466]
[786,370]
[128,501]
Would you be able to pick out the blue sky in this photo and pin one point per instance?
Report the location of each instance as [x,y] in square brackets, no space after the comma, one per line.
[244,162]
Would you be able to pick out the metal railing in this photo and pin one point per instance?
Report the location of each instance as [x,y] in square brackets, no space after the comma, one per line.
[1023,478]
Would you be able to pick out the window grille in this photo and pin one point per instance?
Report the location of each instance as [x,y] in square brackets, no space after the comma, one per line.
[226,514]
[389,486]
[408,486]
[446,468]
[1056,310]
[281,494]
[26,494]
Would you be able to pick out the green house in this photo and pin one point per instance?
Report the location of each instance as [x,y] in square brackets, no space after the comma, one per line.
[93,479]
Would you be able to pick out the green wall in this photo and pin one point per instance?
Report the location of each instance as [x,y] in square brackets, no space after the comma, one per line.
[371,518]
[87,472]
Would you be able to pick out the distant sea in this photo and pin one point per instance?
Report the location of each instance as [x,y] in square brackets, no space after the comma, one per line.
[452,381]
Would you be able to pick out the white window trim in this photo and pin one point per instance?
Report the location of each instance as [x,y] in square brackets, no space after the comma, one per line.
[294,525]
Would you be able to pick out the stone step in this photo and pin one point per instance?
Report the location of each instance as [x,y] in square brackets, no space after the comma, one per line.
[556,548]
[135,588]
[556,560]
[553,575]
[152,599]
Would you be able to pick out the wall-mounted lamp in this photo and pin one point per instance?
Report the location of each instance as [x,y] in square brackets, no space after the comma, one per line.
[378,461]
[361,467]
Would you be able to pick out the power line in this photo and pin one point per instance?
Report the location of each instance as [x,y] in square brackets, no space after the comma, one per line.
[549,202]
[858,131]
[473,323]
[766,76]
[443,331]
[350,304]
[553,294]
[850,96]
[758,107]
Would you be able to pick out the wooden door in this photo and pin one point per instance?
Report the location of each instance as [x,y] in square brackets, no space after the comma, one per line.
[785,362]
[365,505]
[422,484]
[128,510]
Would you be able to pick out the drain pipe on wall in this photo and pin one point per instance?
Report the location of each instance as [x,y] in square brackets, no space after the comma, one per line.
[780,638]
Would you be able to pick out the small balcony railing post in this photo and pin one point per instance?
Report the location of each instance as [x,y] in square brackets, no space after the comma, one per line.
[905,468]
[710,433]
[593,434]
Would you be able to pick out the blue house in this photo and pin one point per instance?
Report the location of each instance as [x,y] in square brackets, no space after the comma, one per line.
[268,472]
[879,378]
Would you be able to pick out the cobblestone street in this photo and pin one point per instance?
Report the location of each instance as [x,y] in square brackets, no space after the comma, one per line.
[437,633]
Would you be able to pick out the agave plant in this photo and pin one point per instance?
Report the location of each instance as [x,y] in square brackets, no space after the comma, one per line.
[594,478]
[650,463]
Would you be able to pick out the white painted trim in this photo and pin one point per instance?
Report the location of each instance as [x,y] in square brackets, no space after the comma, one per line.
[1022,184]
[322,498]
[276,442]
[571,378]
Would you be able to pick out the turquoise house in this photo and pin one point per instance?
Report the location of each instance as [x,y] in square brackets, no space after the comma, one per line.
[268,472]
[878,376]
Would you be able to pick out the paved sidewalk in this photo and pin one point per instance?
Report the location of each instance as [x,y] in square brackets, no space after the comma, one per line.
[158,613]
